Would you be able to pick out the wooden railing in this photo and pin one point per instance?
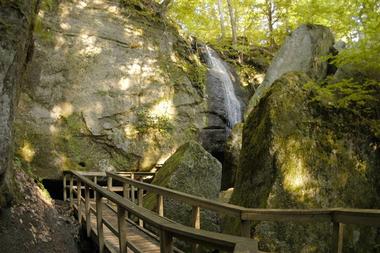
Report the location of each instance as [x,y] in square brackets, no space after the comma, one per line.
[337,216]
[167,228]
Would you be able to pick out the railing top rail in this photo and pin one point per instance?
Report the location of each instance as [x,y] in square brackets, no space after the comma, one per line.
[142,173]
[188,198]
[369,217]
[101,173]
[222,241]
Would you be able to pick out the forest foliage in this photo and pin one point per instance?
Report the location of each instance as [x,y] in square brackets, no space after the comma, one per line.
[243,24]
[268,22]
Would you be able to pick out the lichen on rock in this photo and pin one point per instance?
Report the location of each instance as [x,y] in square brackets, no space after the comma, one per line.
[129,89]
[191,169]
[294,157]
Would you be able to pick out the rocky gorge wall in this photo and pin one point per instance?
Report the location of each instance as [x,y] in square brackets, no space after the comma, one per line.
[16,50]
[113,88]
[297,152]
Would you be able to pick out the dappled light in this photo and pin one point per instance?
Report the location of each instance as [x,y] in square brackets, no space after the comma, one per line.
[53,129]
[130,131]
[65,26]
[27,151]
[64,109]
[259,119]
[124,83]
[89,43]
[163,108]
[296,175]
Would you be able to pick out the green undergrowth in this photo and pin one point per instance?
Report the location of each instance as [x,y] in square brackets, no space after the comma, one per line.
[357,100]
[19,166]
[146,123]
[248,60]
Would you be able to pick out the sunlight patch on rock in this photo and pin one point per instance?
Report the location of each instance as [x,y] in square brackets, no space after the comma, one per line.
[64,109]
[164,108]
[27,151]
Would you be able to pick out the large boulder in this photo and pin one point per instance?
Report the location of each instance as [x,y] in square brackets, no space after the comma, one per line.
[16,51]
[191,169]
[295,156]
[108,88]
[302,51]
[231,156]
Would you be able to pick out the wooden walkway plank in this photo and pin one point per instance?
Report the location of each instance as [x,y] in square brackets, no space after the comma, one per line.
[142,241]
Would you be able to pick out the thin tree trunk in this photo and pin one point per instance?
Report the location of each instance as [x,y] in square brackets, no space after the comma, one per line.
[164,6]
[269,5]
[233,23]
[221,18]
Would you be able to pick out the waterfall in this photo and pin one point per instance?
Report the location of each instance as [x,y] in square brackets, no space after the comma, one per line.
[231,102]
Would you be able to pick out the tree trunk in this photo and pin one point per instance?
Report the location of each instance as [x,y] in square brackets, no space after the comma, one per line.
[164,6]
[270,10]
[233,23]
[221,18]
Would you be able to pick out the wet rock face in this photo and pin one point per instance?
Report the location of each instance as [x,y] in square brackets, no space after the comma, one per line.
[110,86]
[16,50]
[232,156]
[293,157]
[302,51]
[191,169]
[218,127]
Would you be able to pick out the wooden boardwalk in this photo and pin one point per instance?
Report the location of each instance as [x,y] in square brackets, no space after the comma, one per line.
[139,238]
[107,213]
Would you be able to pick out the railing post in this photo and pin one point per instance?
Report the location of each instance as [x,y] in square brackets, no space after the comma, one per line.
[71,191]
[64,188]
[122,226]
[196,222]
[95,182]
[133,188]
[79,200]
[337,238]
[99,221]
[126,190]
[245,228]
[140,198]
[160,205]
[166,242]
[109,183]
[87,210]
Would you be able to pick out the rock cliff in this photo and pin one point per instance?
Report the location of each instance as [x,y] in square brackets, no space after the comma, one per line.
[114,87]
[16,50]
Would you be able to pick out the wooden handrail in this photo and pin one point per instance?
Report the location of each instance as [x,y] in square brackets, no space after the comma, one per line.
[369,217]
[168,229]
[224,208]
[337,216]
[103,174]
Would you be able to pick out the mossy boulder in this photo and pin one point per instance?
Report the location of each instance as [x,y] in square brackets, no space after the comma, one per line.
[295,156]
[191,169]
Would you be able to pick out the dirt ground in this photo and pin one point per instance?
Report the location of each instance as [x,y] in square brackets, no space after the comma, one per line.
[36,223]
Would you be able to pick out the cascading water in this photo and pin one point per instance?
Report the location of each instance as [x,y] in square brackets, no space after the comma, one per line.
[232,104]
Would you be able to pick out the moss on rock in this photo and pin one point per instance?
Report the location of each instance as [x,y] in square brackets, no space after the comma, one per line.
[295,157]
[191,169]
